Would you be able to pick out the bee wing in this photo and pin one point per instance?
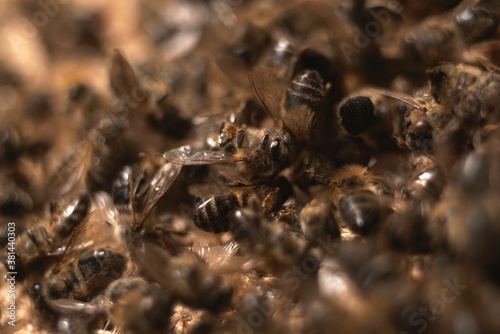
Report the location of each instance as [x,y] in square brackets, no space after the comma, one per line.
[98,228]
[403,98]
[72,171]
[158,186]
[269,88]
[122,76]
[299,121]
[186,156]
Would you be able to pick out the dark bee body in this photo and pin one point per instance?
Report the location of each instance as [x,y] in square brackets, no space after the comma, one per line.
[212,215]
[360,211]
[306,88]
[359,198]
[187,279]
[407,229]
[318,223]
[427,182]
[468,92]
[37,241]
[84,277]
[357,114]
[442,38]
[138,306]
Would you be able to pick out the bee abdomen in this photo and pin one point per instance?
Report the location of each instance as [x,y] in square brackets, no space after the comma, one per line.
[307,88]
[428,183]
[360,211]
[212,215]
[97,269]
[99,261]
[74,214]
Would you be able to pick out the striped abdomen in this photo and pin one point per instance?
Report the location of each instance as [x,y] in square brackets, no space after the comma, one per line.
[212,214]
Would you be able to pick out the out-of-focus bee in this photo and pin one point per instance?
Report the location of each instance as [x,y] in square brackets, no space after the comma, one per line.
[360,199]
[465,221]
[132,304]
[318,223]
[444,37]
[468,92]
[45,237]
[14,199]
[407,228]
[187,279]
[101,246]
[274,246]
[461,101]
[71,176]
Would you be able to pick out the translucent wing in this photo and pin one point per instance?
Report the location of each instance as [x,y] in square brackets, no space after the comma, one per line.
[122,76]
[186,156]
[98,228]
[299,121]
[158,186]
[269,88]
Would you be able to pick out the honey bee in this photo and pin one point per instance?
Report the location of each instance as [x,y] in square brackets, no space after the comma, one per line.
[187,279]
[360,199]
[442,38]
[45,237]
[407,228]
[101,247]
[469,92]
[273,245]
[120,303]
[212,213]
[459,103]
[468,212]
[14,199]
[318,222]
[264,153]
[427,181]
[82,278]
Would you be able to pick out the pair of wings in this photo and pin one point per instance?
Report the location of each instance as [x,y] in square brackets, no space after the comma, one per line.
[270,90]
[102,226]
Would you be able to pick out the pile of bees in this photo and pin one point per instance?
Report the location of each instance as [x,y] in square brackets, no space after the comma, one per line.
[232,166]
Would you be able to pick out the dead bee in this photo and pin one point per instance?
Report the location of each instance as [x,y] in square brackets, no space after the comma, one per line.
[469,92]
[360,199]
[407,228]
[317,221]
[442,38]
[138,306]
[273,245]
[131,303]
[212,213]
[45,237]
[82,278]
[14,199]
[187,279]
[427,180]
[460,102]
[263,153]
[102,245]
[465,221]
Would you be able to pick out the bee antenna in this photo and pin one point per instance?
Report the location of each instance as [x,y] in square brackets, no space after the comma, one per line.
[403,98]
